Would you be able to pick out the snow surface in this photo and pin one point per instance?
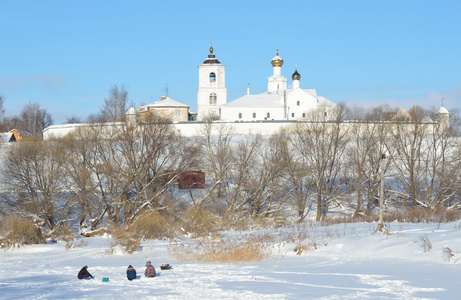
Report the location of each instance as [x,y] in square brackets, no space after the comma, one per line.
[352,261]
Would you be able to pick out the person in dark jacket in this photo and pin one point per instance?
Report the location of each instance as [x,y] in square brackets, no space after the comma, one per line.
[84,274]
[150,270]
[130,273]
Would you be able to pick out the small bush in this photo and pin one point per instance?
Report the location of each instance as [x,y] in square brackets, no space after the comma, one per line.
[125,241]
[64,234]
[152,226]
[425,243]
[72,245]
[300,248]
[221,251]
[17,231]
[199,221]
[439,215]
[447,254]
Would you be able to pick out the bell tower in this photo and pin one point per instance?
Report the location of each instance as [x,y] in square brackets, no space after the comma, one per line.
[212,91]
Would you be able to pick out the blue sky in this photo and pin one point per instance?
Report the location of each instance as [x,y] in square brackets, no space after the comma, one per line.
[66,55]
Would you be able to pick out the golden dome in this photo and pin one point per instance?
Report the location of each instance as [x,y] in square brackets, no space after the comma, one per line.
[277,61]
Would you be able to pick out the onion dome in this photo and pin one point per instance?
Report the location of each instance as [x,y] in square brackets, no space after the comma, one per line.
[277,61]
[296,75]
[211,58]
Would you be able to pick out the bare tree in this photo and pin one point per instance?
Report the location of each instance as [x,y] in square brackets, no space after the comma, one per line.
[442,161]
[407,148]
[32,119]
[154,158]
[72,119]
[81,173]
[298,180]
[245,157]
[114,107]
[266,190]
[35,119]
[2,103]
[322,144]
[34,169]
[215,140]
[364,151]
[133,170]
[3,126]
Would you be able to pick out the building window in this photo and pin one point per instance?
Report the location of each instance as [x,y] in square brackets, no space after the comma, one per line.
[325,114]
[213,98]
[240,115]
[178,112]
[254,115]
[292,115]
[268,115]
[297,103]
[304,115]
[212,77]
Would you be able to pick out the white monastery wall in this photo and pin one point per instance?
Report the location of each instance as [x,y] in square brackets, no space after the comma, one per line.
[191,129]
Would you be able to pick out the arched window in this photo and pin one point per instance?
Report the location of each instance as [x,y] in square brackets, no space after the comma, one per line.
[268,115]
[254,115]
[213,98]
[293,115]
[240,115]
[297,103]
[212,77]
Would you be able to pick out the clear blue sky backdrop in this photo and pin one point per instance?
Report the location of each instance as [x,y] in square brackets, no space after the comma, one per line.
[66,55]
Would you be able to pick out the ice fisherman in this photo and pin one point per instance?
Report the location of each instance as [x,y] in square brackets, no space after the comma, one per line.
[150,270]
[130,273]
[84,274]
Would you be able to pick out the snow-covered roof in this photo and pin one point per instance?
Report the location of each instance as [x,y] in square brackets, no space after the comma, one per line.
[168,102]
[131,111]
[313,92]
[261,100]
[7,137]
[442,110]
[324,102]
[269,99]
[426,119]
[403,114]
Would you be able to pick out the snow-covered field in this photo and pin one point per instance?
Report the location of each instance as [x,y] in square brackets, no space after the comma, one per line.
[352,262]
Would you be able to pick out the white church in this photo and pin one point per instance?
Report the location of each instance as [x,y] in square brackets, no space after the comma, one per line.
[277,108]
[277,103]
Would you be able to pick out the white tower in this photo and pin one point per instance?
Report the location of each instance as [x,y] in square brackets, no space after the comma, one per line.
[130,117]
[296,77]
[276,83]
[211,92]
[443,118]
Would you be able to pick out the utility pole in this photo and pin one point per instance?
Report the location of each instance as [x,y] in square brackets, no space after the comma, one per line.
[381,195]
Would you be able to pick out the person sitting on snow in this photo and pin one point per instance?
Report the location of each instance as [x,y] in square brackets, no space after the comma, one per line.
[130,273]
[150,270]
[84,274]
